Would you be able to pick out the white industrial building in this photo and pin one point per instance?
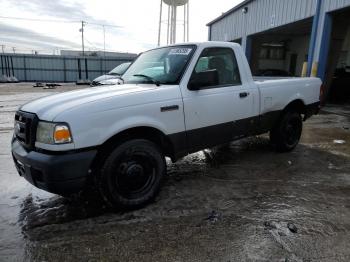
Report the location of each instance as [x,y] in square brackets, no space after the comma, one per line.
[120,55]
[284,34]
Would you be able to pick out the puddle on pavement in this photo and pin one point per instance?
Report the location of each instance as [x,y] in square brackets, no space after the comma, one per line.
[37,212]
[240,176]
[286,199]
[329,133]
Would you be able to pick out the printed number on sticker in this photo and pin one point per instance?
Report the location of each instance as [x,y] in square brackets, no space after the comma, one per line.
[180,51]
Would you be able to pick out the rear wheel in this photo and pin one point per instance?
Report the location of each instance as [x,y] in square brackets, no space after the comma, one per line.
[131,175]
[286,134]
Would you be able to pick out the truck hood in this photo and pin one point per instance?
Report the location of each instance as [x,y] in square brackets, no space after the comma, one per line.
[47,108]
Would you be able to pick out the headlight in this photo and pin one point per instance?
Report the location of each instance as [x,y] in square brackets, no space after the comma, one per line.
[44,132]
[53,133]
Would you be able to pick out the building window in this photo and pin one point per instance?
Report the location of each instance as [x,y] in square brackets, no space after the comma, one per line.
[273,52]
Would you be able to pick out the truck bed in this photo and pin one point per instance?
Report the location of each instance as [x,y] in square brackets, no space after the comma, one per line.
[277,92]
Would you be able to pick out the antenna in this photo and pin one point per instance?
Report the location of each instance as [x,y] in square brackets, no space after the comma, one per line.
[172,21]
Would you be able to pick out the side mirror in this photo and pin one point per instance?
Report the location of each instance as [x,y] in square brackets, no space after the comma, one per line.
[203,79]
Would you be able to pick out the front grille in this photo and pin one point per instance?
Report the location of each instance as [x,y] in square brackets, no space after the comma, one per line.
[25,128]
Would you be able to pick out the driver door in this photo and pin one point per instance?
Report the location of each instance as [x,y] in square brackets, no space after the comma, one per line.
[211,111]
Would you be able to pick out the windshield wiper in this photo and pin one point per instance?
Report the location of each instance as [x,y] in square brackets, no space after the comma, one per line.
[157,83]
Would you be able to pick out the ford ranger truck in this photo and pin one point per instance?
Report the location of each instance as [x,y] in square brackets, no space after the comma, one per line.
[175,100]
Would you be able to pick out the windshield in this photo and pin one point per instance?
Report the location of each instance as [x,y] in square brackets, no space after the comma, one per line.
[120,69]
[163,65]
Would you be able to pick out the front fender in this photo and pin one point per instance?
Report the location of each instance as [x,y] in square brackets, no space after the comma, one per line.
[132,122]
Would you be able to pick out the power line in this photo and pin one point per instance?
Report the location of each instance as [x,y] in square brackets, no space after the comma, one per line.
[38,19]
[106,25]
[57,21]
[82,29]
[92,45]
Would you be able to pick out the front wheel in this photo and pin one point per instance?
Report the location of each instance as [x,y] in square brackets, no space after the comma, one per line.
[131,175]
[286,134]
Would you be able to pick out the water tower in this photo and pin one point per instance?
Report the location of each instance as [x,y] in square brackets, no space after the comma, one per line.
[172,21]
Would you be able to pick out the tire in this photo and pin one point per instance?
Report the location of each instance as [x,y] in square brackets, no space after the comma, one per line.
[286,134]
[132,174]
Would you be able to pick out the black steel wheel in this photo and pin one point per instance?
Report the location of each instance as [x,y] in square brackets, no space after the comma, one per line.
[131,175]
[286,134]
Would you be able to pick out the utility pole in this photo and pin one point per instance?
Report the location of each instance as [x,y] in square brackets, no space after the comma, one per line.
[104,48]
[187,21]
[3,48]
[14,50]
[82,36]
[160,21]
[104,38]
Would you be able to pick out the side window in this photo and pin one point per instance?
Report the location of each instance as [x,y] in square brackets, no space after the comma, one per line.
[221,60]
[202,64]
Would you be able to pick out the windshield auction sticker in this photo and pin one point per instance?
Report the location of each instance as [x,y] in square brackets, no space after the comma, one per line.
[180,51]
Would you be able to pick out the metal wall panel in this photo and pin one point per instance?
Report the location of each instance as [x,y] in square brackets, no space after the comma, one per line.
[262,15]
[48,68]
[331,5]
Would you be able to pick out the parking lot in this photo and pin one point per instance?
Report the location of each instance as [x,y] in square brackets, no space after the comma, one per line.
[237,202]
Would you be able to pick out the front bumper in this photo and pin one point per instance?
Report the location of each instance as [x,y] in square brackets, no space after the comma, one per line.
[63,173]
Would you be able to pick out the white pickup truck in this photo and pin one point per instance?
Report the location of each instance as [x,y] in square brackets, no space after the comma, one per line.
[175,100]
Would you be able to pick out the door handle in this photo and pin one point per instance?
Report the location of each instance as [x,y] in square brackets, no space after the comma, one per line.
[169,108]
[243,94]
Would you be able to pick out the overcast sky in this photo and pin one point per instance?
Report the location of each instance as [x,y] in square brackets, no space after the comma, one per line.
[135,23]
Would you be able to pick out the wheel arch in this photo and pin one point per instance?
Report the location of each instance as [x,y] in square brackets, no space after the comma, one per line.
[296,105]
[140,132]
